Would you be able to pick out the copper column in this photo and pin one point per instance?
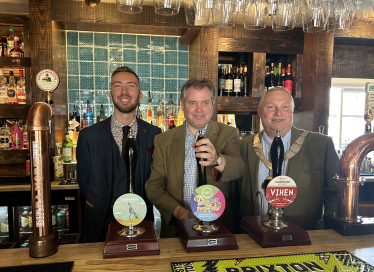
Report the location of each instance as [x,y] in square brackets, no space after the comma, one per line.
[349,177]
[43,241]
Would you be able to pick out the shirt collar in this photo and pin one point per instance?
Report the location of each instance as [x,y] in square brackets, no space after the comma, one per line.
[119,125]
[285,139]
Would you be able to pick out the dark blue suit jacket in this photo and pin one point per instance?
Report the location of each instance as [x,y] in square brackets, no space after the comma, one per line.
[94,165]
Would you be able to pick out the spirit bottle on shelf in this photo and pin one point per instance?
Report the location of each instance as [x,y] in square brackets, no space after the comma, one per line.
[16,51]
[229,83]
[24,220]
[58,164]
[180,117]
[288,82]
[88,115]
[150,112]
[4,136]
[10,40]
[139,113]
[16,137]
[245,82]
[237,82]
[172,124]
[67,148]
[272,81]
[75,118]
[283,77]
[160,115]
[171,112]
[101,116]
[11,89]
[3,86]
[21,89]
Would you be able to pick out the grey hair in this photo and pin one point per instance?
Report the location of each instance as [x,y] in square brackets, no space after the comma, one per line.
[198,84]
[274,90]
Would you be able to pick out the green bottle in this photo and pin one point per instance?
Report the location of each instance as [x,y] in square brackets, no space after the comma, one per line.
[102,116]
[67,148]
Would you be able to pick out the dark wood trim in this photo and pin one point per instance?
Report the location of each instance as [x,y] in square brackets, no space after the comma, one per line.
[16,111]
[13,156]
[15,62]
[188,35]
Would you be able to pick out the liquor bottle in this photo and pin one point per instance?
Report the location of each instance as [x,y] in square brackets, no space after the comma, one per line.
[101,116]
[201,168]
[130,157]
[160,115]
[288,82]
[272,81]
[3,85]
[4,48]
[67,149]
[221,81]
[24,220]
[16,137]
[21,89]
[237,82]
[245,82]
[150,113]
[171,112]
[16,51]
[11,89]
[180,116]
[54,216]
[10,40]
[267,78]
[172,124]
[76,119]
[229,83]
[89,116]
[58,166]
[277,154]
[283,77]
[30,219]
[139,113]
[5,136]
[23,128]
[279,78]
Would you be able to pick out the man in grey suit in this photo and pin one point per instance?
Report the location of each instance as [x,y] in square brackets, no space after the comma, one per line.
[173,170]
[312,163]
[101,170]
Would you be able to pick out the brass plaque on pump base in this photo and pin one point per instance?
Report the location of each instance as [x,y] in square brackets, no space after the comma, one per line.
[270,237]
[194,241]
[117,246]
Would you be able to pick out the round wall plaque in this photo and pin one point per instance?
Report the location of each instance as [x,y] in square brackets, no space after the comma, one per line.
[47,80]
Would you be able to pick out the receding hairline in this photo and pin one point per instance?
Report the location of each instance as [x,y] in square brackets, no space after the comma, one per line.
[276,89]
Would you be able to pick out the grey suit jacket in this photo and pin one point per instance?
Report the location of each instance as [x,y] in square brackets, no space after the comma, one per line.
[95,166]
[312,168]
[165,185]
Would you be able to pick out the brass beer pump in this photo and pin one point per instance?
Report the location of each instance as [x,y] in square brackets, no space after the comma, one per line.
[43,241]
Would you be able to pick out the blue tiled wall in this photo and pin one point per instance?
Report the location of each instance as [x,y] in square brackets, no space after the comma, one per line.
[160,62]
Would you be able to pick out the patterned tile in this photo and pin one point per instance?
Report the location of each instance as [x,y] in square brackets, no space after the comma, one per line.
[171,71]
[129,55]
[144,41]
[86,53]
[101,54]
[144,70]
[100,39]
[87,82]
[72,53]
[102,97]
[115,54]
[115,40]
[171,43]
[156,99]
[73,82]
[132,66]
[157,85]
[171,57]
[144,56]
[171,85]
[101,68]
[129,41]
[86,68]
[182,71]
[145,86]
[183,58]
[85,38]
[113,66]
[73,96]
[181,83]
[101,83]
[158,57]
[87,95]
[73,68]
[72,38]
[157,71]
[174,96]
[158,42]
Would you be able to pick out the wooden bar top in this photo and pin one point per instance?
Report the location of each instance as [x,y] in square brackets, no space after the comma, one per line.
[89,257]
[27,187]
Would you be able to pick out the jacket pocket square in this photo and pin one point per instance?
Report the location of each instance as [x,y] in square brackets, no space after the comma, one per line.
[149,151]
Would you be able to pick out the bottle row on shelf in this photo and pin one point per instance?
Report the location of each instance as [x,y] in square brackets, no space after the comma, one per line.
[233,81]
[12,91]
[13,134]
[11,46]
[277,77]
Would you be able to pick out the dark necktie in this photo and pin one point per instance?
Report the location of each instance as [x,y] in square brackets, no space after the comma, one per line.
[125,130]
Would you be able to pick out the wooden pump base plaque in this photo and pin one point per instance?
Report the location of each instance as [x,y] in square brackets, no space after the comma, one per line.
[118,246]
[194,241]
[268,237]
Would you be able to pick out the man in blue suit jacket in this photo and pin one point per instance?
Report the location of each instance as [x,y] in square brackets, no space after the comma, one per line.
[101,170]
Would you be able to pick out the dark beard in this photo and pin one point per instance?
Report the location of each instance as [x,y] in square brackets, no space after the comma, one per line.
[127,109]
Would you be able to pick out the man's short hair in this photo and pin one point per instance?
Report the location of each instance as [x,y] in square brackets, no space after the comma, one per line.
[198,84]
[273,90]
[125,69]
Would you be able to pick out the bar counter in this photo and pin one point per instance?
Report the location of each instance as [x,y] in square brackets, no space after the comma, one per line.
[89,257]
